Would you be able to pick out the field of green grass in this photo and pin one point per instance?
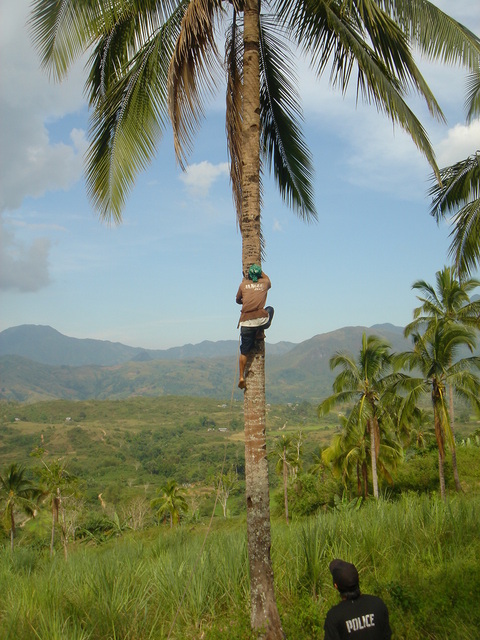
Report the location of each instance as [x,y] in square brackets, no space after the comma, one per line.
[419,554]
[129,576]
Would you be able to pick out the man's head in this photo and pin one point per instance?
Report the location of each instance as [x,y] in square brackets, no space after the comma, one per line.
[345,576]
[255,272]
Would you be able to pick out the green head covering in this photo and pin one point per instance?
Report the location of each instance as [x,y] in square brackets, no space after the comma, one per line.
[255,272]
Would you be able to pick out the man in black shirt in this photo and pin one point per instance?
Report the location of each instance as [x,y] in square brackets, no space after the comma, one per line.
[357,616]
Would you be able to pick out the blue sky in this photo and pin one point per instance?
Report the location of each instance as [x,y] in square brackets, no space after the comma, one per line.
[168,275]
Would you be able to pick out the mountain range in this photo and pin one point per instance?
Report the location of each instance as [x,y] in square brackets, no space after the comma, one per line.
[40,363]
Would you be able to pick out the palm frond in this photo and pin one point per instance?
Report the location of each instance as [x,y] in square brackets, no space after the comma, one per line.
[459,193]
[63,30]
[335,399]
[472,100]
[233,123]
[192,72]
[438,36]
[127,121]
[465,246]
[282,141]
[345,34]
[460,184]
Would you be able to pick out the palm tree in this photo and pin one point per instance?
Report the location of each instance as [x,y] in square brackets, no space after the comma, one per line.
[156,60]
[458,194]
[225,483]
[54,480]
[17,493]
[348,454]
[363,381]
[450,302]
[171,502]
[285,453]
[434,356]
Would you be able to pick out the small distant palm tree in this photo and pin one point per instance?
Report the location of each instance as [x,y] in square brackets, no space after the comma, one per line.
[432,355]
[17,494]
[55,479]
[171,502]
[414,426]
[225,483]
[285,454]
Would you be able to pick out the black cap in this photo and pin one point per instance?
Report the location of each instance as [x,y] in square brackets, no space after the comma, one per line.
[345,575]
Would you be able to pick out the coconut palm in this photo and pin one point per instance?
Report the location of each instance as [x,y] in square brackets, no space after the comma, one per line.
[17,493]
[348,454]
[54,481]
[171,502]
[226,483]
[458,194]
[154,61]
[448,301]
[285,453]
[434,355]
[363,381]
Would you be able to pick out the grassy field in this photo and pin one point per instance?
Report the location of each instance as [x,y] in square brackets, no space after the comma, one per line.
[129,577]
[419,554]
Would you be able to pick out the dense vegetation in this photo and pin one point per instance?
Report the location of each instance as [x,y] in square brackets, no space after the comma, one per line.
[419,554]
[128,574]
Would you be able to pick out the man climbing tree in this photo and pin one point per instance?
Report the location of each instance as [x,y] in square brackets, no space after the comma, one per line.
[254,318]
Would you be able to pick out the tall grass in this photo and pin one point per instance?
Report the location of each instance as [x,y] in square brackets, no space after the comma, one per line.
[420,554]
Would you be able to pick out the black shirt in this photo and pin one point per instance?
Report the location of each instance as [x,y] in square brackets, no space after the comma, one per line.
[365,618]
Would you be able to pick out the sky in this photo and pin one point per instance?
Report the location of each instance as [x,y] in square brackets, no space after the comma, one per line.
[168,275]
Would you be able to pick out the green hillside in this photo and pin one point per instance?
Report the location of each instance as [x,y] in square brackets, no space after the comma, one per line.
[118,446]
[294,373]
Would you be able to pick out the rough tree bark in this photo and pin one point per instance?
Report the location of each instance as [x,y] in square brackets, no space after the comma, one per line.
[264,613]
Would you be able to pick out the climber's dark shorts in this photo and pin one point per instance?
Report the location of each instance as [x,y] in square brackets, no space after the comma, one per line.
[248,334]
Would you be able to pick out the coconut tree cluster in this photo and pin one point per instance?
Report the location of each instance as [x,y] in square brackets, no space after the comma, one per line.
[384,390]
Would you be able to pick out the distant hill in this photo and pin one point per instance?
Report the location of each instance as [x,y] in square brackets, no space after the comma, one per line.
[48,346]
[39,363]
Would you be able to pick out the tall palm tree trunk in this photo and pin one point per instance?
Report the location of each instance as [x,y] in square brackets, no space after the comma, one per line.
[264,612]
[54,521]
[359,480]
[441,474]
[12,529]
[373,456]
[456,477]
[285,482]
[441,450]
[365,479]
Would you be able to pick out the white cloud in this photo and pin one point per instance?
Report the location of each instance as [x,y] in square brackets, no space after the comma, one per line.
[30,163]
[198,178]
[38,166]
[461,141]
[23,268]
